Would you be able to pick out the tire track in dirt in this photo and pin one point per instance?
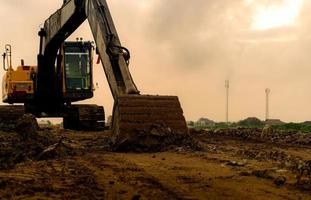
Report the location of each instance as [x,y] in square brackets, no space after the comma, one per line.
[181,177]
[126,180]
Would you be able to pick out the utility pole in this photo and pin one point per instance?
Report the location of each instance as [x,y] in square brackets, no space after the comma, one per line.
[227,86]
[267,103]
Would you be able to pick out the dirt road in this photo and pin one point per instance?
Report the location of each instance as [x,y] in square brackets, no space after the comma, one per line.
[228,167]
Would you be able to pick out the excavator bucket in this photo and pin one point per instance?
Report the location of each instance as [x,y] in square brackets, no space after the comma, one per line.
[142,119]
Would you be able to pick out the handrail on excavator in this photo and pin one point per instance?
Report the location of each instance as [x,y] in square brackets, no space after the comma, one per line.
[7,56]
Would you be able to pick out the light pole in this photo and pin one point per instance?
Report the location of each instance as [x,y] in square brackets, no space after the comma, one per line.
[267,103]
[227,86]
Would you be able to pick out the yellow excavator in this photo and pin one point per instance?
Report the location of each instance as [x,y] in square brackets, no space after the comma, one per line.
[64,75]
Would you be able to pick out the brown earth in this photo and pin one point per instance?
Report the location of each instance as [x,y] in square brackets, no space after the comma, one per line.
[221,164]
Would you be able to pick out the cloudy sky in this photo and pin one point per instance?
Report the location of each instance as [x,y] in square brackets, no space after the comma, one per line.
[189,48]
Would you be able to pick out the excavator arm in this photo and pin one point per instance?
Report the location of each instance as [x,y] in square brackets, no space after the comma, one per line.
[133,114]
[113,56]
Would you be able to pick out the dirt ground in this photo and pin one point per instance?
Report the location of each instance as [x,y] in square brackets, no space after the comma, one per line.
[232,164]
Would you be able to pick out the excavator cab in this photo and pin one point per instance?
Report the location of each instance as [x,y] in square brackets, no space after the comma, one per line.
[77,62]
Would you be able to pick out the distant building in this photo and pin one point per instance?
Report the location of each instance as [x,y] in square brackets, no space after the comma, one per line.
[205,122]
[250,121]
[307,123]
[274,122]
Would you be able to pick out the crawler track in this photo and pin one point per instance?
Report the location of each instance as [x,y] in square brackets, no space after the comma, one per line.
[9,115]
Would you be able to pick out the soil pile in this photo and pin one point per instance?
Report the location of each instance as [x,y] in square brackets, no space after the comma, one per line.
[27,127]
[14,149]
[160,138]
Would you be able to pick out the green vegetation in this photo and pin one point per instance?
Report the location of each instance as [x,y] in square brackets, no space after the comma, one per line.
[223,125]
[304,127]
[252,122]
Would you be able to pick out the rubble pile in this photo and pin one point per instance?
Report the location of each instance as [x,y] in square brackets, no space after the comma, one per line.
[159,138]
[27,127]
[61,149]
[304,175]
[43,147]
[28,143]
[264,155]
[267,134]
[304,183]
[18,150]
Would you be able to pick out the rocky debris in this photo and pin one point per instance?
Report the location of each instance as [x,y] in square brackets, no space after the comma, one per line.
[59,150]
[71,182]
[44,146]
[240,133]
[159,138]
[49,144]
[304,183]
[281,171]
[267,131]
[27,126]
[238,163]
[245,173]
[263,155]
[262,174]
[286,162]
[19,152]
[280,180]
[267,134]
[304,168]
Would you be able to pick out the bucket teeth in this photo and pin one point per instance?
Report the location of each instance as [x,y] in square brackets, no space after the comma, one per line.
[136,114]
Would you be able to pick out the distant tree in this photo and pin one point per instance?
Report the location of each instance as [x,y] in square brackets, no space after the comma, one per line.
[205,122]
[190,123]
[251,121]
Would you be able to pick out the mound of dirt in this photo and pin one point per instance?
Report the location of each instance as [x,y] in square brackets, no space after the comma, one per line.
[304,183]
[59,150]
[21,150]
[42,147]
[159,138]
[27,126]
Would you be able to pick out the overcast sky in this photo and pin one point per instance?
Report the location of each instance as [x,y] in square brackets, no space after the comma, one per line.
[189,48]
